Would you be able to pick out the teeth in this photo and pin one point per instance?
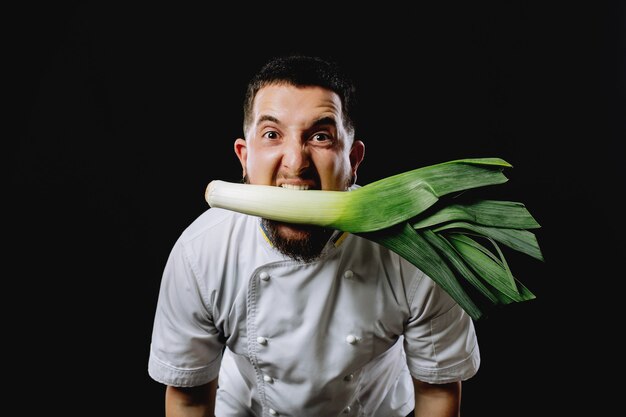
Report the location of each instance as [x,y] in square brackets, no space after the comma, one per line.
[295,187]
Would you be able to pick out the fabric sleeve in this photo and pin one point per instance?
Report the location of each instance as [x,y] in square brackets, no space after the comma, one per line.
[440,340]
[185,349]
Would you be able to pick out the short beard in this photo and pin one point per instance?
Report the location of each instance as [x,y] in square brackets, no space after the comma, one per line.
[304,250]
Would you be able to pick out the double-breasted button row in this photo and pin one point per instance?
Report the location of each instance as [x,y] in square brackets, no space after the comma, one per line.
[263,341]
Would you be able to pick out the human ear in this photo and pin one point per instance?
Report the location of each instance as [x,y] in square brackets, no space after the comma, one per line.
[357,153]
[241,150]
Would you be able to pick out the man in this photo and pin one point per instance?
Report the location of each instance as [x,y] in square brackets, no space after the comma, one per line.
[262,318]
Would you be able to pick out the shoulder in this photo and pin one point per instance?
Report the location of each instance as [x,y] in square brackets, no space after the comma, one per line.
[212,249]
[214,234]
[216,225]
[213,220]
[369,251]
[386,269]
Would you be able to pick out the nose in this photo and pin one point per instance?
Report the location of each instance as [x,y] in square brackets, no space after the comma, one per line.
[296,158]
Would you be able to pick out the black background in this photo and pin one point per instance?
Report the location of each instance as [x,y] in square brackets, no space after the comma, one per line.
[124,113]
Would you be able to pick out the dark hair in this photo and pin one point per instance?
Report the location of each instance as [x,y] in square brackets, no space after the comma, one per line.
[303,71]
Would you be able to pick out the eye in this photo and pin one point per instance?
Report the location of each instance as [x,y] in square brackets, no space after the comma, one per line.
[271,134]
[321,137]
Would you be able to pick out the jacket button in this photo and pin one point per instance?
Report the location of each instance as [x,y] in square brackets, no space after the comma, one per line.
[264,276]
[351,339]
[273,412]
[268,379]
[348,274]
[261,340]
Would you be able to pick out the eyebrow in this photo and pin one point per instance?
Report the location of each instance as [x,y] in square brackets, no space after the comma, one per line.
[267,118]
[327,120]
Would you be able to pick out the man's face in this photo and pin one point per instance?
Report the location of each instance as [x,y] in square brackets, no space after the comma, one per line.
[297,139]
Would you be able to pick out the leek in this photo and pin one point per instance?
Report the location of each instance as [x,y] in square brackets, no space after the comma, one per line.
[412,214]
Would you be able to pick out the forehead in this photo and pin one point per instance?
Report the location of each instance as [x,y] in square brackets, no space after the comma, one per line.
[281,98]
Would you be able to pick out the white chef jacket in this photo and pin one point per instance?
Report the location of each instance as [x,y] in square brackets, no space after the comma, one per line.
[339,336]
